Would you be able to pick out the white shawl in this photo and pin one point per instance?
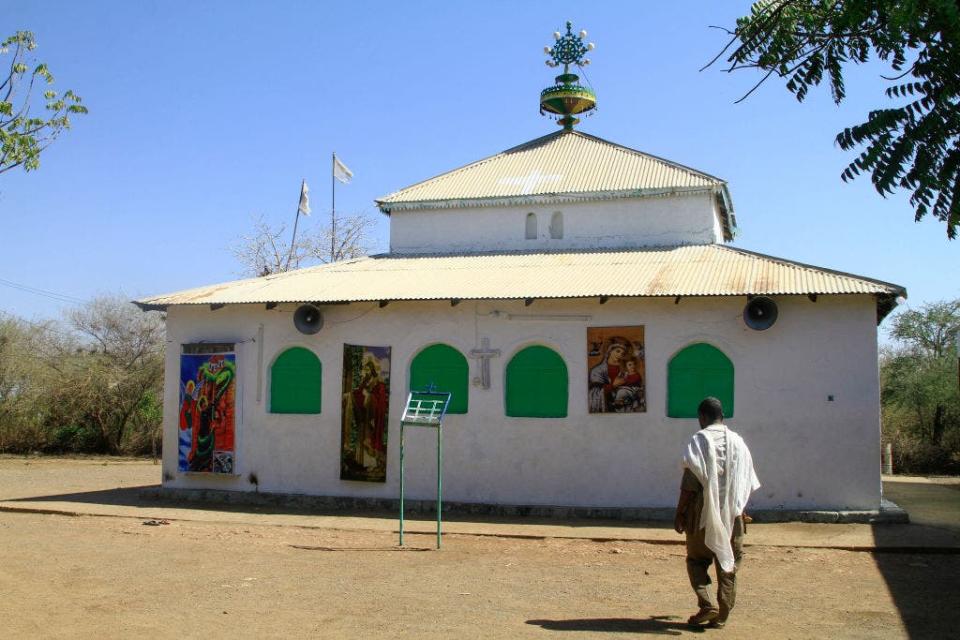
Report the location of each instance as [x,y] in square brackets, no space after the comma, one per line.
[721,461]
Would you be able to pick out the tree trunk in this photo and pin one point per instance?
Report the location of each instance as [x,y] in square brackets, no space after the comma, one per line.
[938,425]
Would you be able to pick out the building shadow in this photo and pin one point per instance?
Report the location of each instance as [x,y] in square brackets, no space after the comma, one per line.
[654,625]
[920,561]
[238,502]
[121,497]
[133,497]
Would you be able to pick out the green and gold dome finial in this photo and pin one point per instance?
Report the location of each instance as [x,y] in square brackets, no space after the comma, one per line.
[568,98]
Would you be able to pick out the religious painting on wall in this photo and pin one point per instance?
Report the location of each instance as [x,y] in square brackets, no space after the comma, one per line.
[208,390]
[366,395]
[617,372]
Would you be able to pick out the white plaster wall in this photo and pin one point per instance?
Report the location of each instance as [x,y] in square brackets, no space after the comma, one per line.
[627,222]
[809,451]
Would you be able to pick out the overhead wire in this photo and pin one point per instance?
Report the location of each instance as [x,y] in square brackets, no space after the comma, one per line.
[53,295]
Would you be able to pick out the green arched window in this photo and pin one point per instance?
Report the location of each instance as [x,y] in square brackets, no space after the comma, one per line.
[536,384]
[295,382]
[445,368]
[694,373]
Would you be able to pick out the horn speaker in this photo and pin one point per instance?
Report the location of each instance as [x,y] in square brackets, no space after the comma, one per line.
[308,319]
[760,313]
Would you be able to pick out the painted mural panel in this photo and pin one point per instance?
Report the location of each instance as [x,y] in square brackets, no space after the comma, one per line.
[366,395]
[208,383]
[616,363]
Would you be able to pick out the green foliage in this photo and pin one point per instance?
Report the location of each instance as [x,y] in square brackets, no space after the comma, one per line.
[24,134]
[72,438]
[914,145]
[90,385]
[919,389]
[917,456]
[931,330]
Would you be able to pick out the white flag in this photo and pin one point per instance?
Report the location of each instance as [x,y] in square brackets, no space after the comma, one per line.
[340,171]
[304,207]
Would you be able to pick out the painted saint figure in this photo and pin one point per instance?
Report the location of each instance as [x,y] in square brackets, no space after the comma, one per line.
[615,384]
[628,395]
[206,418]
[188,412]
[201,454]
[370,414]
[366,393]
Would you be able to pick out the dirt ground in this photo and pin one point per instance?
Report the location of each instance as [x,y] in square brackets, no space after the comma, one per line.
[112,577]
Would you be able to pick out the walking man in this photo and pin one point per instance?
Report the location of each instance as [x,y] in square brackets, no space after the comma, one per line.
[718,478]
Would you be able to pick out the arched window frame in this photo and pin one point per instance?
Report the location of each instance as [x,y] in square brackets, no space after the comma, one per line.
[556,402]
[684,396]
[556,225]
[460,402]
[530,229]
[280,402]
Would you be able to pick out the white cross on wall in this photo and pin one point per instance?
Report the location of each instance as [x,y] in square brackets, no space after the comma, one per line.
[530,182]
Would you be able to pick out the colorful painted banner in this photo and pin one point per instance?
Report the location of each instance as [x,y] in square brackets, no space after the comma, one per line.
[366,396]
[208,383]
[616,382]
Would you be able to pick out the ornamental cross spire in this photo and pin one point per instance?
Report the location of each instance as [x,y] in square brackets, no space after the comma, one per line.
[567,97]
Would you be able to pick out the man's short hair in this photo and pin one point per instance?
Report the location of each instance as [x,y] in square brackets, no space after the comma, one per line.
[711,409]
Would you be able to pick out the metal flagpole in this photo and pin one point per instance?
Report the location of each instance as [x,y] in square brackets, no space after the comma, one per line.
[293,240]
[333,205]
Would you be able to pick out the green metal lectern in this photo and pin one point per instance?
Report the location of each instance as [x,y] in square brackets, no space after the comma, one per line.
[425,408]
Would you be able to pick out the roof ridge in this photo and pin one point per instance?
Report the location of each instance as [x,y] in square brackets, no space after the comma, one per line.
[536,141]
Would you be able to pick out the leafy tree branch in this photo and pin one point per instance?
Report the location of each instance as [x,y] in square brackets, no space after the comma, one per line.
[913,144]
[24,134]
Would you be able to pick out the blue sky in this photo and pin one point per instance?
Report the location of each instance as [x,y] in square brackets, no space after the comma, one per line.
[203,115]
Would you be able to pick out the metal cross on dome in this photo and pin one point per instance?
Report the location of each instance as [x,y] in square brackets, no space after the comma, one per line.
[569,48]
[567,98]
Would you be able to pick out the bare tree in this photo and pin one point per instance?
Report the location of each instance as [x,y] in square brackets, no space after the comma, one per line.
[265,250]
[352,239]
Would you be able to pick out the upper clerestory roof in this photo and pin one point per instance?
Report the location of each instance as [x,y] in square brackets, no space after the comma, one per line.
[565,166]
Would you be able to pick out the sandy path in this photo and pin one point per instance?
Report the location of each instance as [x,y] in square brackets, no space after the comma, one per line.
[97,577]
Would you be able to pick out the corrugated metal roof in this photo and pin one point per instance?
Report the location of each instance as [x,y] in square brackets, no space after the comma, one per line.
[700,270]
[565,162]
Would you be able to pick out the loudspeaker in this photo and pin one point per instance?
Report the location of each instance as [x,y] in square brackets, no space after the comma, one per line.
[760,313]
[308,319]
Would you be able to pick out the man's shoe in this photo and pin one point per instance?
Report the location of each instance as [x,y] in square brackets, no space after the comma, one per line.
[721,618]
[704,616]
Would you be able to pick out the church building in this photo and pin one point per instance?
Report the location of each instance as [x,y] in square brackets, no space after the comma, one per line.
[578,299]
